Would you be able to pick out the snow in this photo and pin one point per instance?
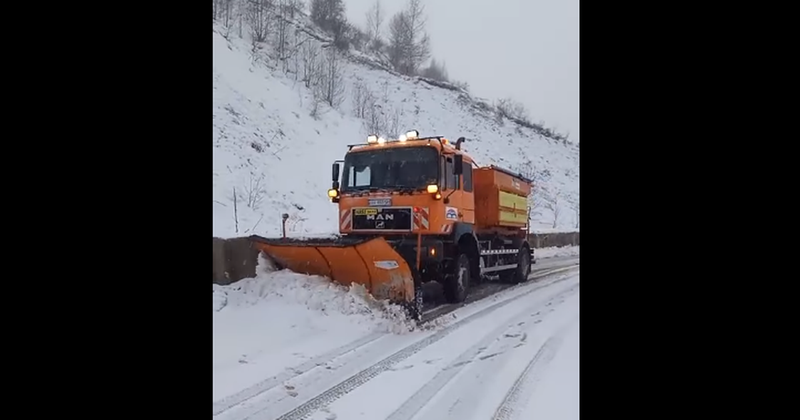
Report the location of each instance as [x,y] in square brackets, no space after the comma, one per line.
[558,398]
[467,374]
[551,252]
[282,339]
[263,134]
[278,319]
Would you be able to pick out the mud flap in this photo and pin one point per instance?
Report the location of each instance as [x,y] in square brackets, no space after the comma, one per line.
[371,262]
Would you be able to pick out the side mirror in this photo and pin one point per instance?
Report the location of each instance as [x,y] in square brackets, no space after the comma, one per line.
[335,172]
[458,165]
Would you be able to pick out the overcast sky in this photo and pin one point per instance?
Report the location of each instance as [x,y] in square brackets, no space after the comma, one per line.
[525,49]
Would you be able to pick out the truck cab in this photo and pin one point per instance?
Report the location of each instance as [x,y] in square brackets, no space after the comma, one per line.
[402,187]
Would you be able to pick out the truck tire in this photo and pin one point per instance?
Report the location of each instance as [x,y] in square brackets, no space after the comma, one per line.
[456,285]
[523,270]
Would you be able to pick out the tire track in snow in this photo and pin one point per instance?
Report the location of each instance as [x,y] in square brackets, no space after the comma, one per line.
[444,309]
[520,391]
[241,398]
[337,391]
[259,388]
[422,397]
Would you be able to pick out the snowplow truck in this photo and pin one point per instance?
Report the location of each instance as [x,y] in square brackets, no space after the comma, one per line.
[415,210]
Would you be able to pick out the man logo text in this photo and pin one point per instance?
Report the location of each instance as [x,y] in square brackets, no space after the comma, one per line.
[380,217]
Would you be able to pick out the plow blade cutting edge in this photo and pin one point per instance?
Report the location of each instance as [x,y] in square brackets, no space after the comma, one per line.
[371,262]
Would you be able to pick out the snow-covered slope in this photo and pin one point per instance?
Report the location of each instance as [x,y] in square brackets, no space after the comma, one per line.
[274,158]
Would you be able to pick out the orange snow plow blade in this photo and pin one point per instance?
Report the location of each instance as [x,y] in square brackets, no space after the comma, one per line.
[372,263]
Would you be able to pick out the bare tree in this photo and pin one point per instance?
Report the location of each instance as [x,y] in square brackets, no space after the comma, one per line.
[225,12]
[399,41]
[240,12]
[577,209]
[295,6]
[296,55]
[535,205]
[542,195]
[332,79]
[316,101]
[228,12]
[409,45]
[363,99]
[462,85]
[384,91]
[259,16]
[255,191]
[375,18]
[512,109]
[309,53]
[329,16]
[282,34]
[393,123]
[435,71]
[216,8]
[420,47]
[552,201]
[355,37]
[322,75]
[382,121]
[374,121]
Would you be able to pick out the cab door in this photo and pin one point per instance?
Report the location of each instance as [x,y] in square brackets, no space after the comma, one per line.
[461,206]
[467,195]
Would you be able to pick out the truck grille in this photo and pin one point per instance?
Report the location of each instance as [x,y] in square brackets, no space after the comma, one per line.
[382,218]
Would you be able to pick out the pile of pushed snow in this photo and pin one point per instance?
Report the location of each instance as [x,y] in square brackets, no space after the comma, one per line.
[302,299]
[555,251]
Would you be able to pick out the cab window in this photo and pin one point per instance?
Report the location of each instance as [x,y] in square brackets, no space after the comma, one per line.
[451,181]
[467,177]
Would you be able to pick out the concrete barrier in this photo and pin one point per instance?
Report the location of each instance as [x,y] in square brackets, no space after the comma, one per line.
[236,258]
[233,259]
[218,262]
[559,239]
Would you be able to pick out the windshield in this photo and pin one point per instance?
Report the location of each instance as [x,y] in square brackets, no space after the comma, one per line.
[407,167]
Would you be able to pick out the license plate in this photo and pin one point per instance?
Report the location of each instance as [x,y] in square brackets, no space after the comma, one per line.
[365,212]
[380,202]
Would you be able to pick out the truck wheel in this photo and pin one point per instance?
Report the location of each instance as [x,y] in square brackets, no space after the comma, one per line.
[523,270]
[457,284]
[524,266]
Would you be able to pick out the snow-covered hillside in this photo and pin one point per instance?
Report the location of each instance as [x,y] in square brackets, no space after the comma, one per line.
[275,158]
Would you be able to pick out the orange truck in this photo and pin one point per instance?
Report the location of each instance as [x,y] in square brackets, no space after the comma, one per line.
[415,210]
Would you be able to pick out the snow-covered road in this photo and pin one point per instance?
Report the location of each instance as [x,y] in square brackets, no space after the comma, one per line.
[483,361]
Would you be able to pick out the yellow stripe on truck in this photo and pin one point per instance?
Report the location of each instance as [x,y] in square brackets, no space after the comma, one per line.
[513,209]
